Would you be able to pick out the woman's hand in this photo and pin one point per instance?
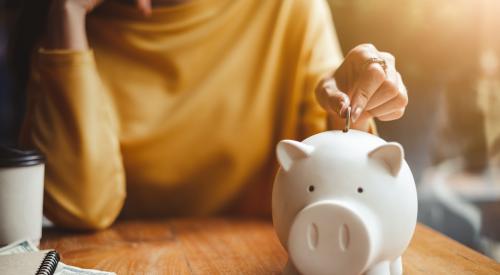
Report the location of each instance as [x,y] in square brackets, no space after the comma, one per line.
[66,22]
[367,81]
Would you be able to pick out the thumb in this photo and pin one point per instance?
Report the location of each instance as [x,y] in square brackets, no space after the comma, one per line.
[331,98]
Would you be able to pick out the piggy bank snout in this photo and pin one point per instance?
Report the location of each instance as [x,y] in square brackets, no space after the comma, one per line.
[331,237]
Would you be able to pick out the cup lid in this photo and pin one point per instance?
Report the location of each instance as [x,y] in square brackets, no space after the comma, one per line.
[12,157]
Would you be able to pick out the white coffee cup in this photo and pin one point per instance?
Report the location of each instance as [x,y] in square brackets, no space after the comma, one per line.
[21,195]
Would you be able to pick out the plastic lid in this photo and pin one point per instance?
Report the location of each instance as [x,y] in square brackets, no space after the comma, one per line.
[12,157]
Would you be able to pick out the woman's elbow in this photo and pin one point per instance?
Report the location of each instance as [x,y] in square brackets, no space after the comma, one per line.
[83,217]
[95,221]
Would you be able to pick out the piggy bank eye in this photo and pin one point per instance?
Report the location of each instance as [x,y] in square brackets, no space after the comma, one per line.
[360,190]
[311,188]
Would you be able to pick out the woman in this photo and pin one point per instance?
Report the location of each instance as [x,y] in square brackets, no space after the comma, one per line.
[176,109]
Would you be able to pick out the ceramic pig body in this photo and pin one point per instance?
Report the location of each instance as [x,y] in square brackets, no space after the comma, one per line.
[344,203]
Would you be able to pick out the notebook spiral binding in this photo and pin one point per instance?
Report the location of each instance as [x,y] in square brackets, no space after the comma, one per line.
[49,264]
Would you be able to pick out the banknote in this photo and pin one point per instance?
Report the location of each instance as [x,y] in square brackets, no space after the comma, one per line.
[21,246]
[24,246]
[64,269]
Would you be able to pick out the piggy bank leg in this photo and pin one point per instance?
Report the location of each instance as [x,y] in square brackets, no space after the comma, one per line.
[290,269]
[397,267]
[382,268]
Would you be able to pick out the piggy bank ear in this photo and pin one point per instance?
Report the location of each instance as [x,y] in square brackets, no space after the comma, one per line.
[289,151]
[390,155]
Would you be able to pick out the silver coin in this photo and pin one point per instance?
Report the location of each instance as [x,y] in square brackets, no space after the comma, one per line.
[347,120]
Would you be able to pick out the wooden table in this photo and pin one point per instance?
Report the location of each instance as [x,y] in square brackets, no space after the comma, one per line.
[230,246]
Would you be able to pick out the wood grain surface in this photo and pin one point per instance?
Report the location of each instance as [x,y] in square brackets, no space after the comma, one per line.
[230,246]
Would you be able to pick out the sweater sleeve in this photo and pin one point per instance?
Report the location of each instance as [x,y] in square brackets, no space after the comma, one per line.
[69,119]
[322,55]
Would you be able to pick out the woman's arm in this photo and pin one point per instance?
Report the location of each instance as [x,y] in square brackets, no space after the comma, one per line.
[66,25]
[66,22]
[70,119]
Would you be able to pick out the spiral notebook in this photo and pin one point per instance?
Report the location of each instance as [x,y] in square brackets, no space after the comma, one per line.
[30,263]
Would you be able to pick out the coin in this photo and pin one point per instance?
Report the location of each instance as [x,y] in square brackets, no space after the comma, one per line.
[347,120]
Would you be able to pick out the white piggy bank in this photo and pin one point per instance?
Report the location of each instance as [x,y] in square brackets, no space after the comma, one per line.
[344,203]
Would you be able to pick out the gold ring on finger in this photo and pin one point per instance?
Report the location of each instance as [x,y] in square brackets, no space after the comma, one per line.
[377,60]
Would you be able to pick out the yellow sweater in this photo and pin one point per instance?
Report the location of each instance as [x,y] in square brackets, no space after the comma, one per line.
[179,113]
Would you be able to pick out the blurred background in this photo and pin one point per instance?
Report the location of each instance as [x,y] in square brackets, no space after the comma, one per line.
[448,53]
